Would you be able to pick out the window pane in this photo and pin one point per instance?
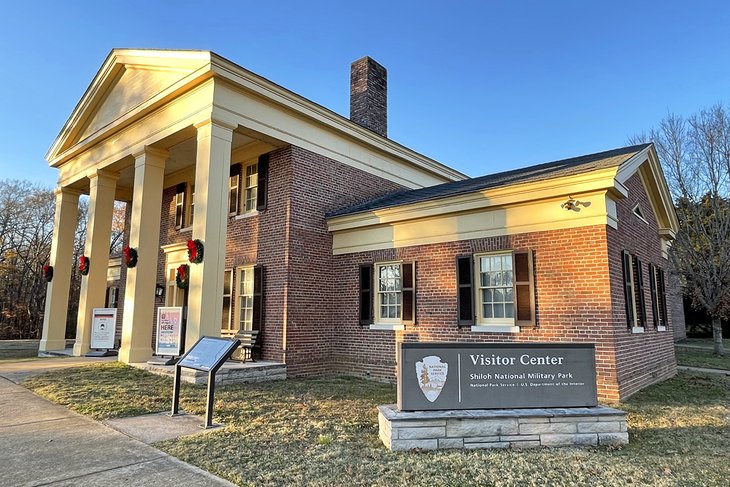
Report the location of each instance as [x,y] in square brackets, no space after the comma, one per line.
[509,310]
[485,279]
[498,311]
[509,295]
[487,310]
[498,296]
[507,262]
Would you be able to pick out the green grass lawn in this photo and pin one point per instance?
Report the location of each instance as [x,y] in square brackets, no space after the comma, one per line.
[702,358]
[323,432]
[704,342]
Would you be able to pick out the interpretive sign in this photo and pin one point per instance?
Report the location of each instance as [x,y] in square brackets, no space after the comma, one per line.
[103,327]
[208,354]
[169,326]
[434,376]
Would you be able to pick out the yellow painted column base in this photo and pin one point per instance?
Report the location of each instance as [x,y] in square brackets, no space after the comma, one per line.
[134,355]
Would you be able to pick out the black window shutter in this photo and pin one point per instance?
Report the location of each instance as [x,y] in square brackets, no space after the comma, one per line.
[115,296]
[653,293]
[107,296]
[409,292]
[524,289]
[235,169]
[628,288]
[639,289]
[662,297]
[366,294]
[263,184]
[465,290]
[257,320]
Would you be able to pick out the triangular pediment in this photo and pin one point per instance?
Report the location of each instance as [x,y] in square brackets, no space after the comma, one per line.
[647,164]
[126,82]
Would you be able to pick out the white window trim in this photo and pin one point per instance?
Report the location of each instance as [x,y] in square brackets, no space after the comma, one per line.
[638,213]
[248,214]
[638,329]
[388,326]
[661,328]
[236,294]
[496,325]
[495,328]
[244,189]
[386,323]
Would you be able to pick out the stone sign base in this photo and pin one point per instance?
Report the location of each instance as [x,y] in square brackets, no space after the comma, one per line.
[501,428]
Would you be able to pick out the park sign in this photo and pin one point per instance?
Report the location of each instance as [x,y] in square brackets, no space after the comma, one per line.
[440,376]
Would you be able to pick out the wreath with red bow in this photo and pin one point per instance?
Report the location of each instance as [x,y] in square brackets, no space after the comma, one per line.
[130,256]
[195,251]
[48,273]
[84,264]
[182,276]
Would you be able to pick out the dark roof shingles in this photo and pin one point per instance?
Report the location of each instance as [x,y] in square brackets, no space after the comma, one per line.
[540,172]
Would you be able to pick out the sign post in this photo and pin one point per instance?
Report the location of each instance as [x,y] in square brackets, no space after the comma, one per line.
[208,355]
[103,331]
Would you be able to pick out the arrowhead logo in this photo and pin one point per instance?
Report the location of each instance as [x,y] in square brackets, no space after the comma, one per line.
[431,374]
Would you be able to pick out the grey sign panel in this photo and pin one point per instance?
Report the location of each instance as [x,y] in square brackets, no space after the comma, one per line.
[434,376]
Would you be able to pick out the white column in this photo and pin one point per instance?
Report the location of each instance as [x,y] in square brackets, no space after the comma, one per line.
[64,229]
[144,235]
[102,186]
[210,224]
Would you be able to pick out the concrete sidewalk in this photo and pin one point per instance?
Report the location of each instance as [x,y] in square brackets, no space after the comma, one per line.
[46,444]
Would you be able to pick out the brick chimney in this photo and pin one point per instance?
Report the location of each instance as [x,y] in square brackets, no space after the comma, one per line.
[369,95]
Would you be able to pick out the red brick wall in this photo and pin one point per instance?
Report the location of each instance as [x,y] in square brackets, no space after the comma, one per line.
[572,294]
[290,240]
[643,358]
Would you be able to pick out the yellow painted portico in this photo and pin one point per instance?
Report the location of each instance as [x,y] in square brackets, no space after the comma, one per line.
[150,116]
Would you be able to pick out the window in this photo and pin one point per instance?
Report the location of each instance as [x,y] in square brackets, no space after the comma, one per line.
[244,298]
[227,288]
[251,183]
[388,300]
[112,297]
[495,291]
[635,306]
[184,206]
[638,212]
[174,295]
[388,290]
[249,298]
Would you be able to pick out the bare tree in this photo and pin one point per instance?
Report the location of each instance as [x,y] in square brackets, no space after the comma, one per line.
[695,155]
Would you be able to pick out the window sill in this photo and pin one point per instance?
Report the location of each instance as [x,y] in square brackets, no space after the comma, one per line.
[661,328]
[495,329]
[388,326]
[637,329]
[249,214]
[186,229]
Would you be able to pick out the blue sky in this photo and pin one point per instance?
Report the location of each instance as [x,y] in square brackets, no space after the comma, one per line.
[480,86]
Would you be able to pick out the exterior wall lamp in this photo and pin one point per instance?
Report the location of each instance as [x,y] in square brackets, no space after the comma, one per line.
[159,290]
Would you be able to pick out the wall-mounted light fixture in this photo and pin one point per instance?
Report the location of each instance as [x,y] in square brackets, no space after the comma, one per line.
[574,205]
[159,290]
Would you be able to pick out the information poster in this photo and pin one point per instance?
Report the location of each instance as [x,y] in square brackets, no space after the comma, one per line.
[169,326]
[103,327]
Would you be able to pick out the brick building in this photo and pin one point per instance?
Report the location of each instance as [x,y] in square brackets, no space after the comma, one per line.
[336,242]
